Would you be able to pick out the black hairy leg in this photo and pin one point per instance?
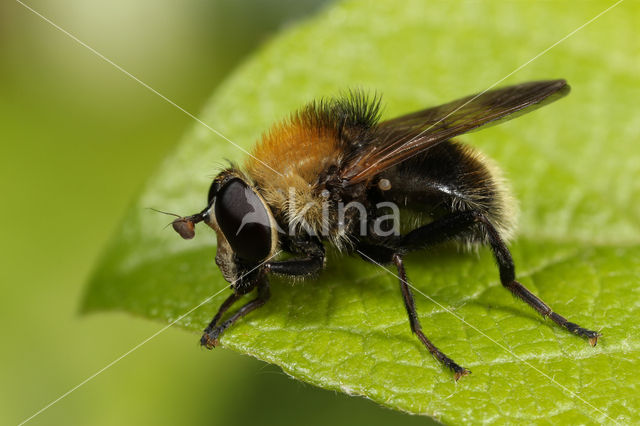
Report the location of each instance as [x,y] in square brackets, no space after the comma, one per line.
[311,261]
[455,225]
[313,250]
[296,267]
[409,304]
[223,308]
[211,334]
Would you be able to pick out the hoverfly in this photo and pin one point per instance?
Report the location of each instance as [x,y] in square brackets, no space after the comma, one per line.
[337,151]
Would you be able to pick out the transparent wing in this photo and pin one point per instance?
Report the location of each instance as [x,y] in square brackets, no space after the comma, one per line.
[403,137]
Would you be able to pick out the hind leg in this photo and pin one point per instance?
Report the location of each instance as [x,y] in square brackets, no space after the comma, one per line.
[457,224]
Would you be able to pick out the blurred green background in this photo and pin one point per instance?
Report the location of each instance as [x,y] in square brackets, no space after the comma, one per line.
[78,139]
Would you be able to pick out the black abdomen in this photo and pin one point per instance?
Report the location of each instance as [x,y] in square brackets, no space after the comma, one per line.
[450,177]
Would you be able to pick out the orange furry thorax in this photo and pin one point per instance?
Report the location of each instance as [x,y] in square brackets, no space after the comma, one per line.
[286,163]
[299,152]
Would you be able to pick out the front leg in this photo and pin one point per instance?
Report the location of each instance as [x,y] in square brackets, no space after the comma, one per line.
[296,267]
[223,308]
[312,263]
[211,334]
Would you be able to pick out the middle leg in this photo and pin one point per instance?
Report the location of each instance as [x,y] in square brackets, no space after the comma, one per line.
[409,304]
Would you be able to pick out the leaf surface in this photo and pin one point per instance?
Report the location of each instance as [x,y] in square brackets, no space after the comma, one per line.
[574,166]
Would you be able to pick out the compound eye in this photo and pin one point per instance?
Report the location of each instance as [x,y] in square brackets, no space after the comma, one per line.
[213,190]
[244,219]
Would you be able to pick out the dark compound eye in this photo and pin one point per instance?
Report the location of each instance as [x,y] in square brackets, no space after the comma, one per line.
[244,220]
[213,190]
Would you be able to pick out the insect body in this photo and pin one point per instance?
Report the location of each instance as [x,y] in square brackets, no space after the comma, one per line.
[333,173]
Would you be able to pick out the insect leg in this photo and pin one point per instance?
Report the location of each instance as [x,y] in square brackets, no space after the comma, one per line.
[210,337]
[223,308]
[296,266]
[507,277]
[455,225]
[409,304]
[312,262]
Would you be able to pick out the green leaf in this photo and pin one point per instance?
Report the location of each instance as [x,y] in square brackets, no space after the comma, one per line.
[574,166]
